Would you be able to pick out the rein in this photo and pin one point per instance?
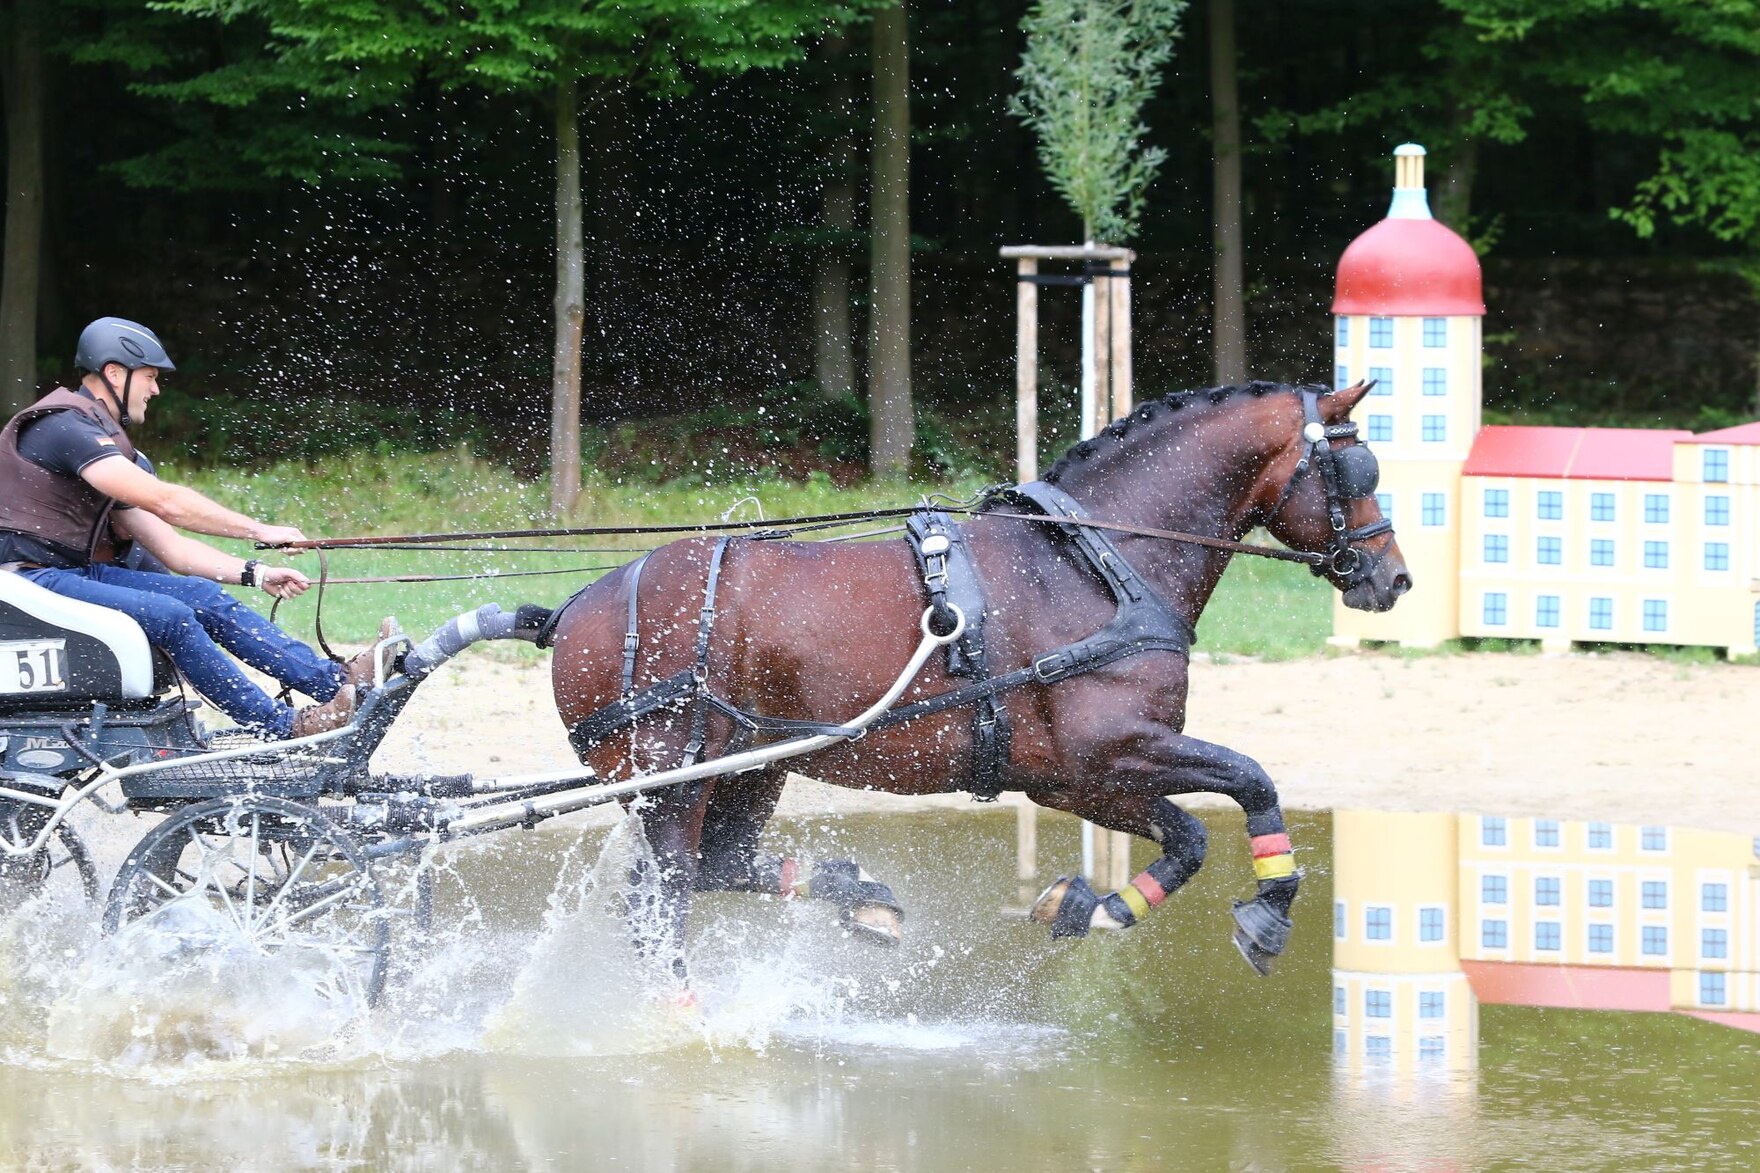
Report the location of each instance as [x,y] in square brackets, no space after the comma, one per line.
[1280,553]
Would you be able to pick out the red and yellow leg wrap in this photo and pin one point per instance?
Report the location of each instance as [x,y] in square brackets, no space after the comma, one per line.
[792,884]
[1134,900]
[1272,858]
[1143,893]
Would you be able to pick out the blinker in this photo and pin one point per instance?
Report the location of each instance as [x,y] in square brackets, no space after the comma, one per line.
[1358,471]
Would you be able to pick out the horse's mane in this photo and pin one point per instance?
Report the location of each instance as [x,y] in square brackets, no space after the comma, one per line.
[1114,434]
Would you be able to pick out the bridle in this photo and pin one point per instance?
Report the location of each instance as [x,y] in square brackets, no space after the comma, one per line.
[1348,474]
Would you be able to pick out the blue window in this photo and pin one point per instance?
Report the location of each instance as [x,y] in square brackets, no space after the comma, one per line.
[1435,332]
[1600,506]
[1655,614]
[1601,938]
[1548,936]
[1384,502]
[1432,1048]
[1381,333]
[1712,990]
[1545,832]
[1654,942]
[1601,614]
[1549,551]
[1716,555]
[1548,890]
[1378,1003]
[1717,511]
[1600,551]
[1497,547]
[1380,429]
[1435,428]
[1714,898]
[1546,611]
[1344,331]
[1378,923]
[1435,511]
[1432,1004]
[1601,836]
[1430,924]
[1435,381]
[1716,466]
[1496,502]
[1494,934]
[1341,376]
[1551,505]
[1656,555]
[1339,1004]
[1493,832]
[1383,377]
[1655,893]
[1714,943]
[1378,1047]
[1600,893]
[1655,509]
[1338,919]
[1340,1042]
[1653,839]
[1496,608]
[1494,890]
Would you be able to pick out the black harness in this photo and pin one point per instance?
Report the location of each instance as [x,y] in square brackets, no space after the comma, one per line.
[1143,622]
[1347,474]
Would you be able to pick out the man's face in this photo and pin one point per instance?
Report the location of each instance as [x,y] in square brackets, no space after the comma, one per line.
[141,389]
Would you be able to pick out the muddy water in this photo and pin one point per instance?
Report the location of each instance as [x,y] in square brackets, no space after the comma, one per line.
[530,1035]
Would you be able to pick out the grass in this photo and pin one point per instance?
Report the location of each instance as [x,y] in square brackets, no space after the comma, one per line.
[1266,609]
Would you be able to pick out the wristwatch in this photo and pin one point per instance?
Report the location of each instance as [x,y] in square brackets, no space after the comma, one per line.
[248,576]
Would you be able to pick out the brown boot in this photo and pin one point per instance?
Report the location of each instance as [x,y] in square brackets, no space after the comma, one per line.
[332,714]
[358,669]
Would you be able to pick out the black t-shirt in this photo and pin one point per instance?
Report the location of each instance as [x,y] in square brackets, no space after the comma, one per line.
[62,442]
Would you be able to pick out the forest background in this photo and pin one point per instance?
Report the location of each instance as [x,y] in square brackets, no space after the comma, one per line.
[348,252]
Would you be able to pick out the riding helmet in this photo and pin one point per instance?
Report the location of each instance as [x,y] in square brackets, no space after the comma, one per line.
[118,340]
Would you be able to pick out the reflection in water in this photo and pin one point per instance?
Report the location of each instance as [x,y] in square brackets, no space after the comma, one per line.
[525,1035]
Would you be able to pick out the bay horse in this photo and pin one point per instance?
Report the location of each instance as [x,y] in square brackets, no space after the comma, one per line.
[807,631]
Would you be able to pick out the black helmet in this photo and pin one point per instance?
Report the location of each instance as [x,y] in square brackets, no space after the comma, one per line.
[119,340]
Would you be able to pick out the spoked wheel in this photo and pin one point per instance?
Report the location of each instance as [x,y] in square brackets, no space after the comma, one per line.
[62,862]
[282,877]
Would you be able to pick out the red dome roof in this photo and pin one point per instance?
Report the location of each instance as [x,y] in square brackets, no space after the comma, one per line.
[1403,266]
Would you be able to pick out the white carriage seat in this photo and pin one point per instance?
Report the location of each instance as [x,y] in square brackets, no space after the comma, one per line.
[29,612]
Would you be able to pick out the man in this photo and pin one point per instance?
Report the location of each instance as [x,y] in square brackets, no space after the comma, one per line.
[71,483]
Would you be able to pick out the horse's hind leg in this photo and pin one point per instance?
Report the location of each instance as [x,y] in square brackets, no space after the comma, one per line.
[1071,907]
[729,861]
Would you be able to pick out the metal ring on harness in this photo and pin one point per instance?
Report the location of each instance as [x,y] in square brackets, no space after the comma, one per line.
[959,625]
[1346,561]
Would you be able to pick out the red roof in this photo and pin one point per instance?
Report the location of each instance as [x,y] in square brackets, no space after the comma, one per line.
[1404,266]
[1599,454]
[1740,434]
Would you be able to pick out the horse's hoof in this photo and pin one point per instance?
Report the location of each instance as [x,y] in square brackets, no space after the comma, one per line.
[1045,908]
[1067,906]
[878,924]
[1261,934]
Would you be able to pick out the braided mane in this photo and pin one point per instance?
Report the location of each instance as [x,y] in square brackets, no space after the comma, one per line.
[1115,433]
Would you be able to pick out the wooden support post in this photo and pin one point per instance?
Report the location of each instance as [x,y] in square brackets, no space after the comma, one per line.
[1122,401]
[1026,373]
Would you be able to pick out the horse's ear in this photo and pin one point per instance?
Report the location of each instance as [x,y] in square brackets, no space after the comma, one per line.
[1335,405]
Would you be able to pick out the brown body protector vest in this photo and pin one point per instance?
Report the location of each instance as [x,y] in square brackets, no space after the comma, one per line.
[63,512]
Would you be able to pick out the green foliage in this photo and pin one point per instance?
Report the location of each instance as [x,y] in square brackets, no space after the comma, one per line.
[1089,68]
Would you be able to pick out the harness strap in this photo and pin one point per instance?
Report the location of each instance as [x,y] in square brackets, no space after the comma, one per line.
[631,638]
[705,625]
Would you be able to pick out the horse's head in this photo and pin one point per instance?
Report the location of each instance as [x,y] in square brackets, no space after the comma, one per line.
[1318,495]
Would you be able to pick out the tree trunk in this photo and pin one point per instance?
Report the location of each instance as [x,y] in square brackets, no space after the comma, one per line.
[833,357]
[892,430]
[1454,187]
[565,387]
[1230,326]
[24,216]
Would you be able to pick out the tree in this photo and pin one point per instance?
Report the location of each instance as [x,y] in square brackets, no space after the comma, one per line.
[1229,331]
[544,49]
[833,354]
[1089,67]
[892,430]
[22,72]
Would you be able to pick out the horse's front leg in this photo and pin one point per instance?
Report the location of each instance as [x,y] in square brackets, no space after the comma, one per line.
[661,885]
[1131,799]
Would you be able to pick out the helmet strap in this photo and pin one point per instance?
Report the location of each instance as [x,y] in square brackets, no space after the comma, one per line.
[121,397]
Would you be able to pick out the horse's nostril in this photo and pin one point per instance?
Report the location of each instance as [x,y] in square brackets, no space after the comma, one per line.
[1402,583]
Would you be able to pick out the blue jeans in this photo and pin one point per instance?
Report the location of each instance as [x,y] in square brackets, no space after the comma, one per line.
[192,619]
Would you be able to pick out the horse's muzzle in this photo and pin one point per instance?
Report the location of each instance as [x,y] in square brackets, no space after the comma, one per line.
[1381,588]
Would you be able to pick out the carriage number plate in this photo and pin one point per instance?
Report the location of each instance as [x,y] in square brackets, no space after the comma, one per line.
[33,665]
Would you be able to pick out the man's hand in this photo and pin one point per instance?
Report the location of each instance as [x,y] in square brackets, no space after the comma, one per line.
[280,535]
[284,582]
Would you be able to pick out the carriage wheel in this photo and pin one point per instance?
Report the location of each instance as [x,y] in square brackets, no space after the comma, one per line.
[278,874]
[63,860]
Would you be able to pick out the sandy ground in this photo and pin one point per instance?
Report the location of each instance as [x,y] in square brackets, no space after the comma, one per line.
[1621,737]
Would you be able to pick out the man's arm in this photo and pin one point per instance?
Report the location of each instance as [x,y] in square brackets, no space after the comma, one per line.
[180,506]
[189,556]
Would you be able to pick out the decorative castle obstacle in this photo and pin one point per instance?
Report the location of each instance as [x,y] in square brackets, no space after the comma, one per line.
[1105,281]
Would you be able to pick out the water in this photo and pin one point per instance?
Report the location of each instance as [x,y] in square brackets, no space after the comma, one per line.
[531,1034]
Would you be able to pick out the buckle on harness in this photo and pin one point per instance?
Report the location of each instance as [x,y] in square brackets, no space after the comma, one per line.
[1053,666]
